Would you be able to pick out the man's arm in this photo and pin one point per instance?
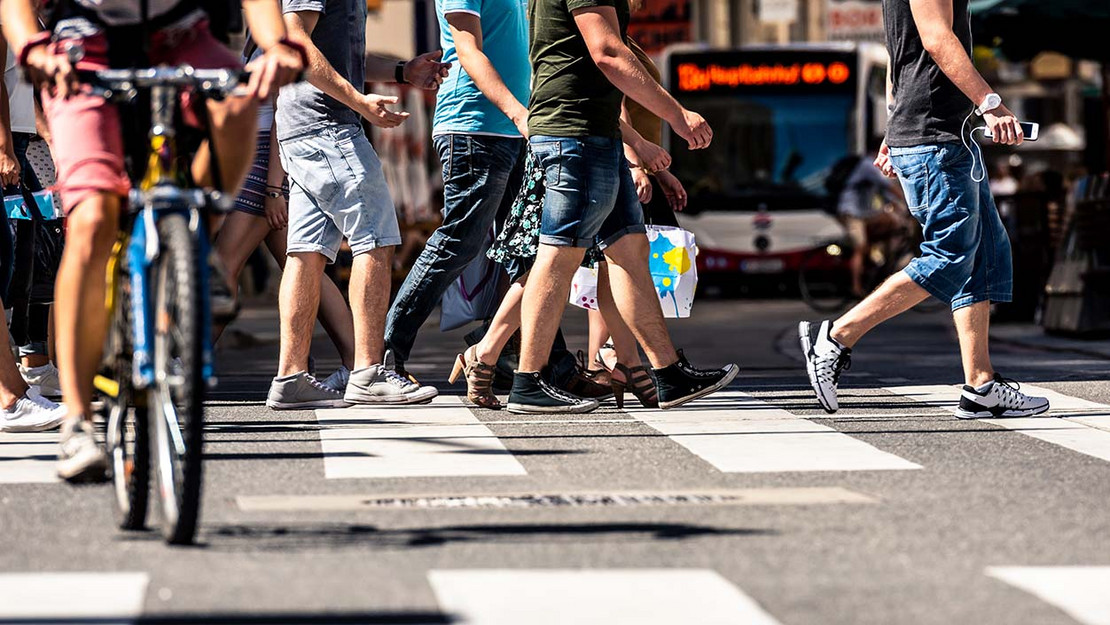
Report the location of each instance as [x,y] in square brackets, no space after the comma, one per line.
[466,30]
[425,71]
[323,76]
[9,164]
[934,23]
[601,30]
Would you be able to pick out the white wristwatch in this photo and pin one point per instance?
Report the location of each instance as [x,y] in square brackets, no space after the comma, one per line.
[991,102]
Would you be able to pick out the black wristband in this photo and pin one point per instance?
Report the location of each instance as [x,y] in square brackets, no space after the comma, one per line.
[399,73]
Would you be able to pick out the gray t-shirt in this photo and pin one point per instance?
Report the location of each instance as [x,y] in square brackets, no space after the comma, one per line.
[340,34]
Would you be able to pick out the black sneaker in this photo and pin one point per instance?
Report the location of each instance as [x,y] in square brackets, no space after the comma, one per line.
[532,394]
[680,383]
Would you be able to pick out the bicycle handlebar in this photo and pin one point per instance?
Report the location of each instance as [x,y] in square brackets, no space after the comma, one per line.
[124,83]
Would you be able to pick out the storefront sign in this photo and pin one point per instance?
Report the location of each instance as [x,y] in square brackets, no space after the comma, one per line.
[855,20]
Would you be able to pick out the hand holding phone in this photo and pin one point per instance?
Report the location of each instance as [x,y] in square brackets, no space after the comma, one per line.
[1030,130]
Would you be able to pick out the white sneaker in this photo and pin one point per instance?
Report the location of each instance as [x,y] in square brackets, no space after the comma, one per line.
[32,413]
[825,360]
[1000,398]
[338,380]
[80,457]
[378,384]
[44,377]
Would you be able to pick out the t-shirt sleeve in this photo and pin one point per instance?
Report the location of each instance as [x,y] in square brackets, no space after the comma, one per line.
[474,7]
[294,6]
[573,5]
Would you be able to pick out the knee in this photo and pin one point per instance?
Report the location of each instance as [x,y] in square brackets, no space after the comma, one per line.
[94,224]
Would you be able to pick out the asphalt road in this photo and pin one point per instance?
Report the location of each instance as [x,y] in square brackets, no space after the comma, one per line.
[753,508]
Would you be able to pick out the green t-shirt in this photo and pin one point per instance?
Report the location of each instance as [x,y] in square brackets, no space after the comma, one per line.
[570,95]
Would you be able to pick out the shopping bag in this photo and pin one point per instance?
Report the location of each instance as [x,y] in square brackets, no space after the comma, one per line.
[476,294]
[16,206]
[583,288]
[673,269]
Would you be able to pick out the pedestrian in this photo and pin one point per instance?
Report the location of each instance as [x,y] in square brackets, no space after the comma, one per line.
[965,257]
[580,66]
[336,190]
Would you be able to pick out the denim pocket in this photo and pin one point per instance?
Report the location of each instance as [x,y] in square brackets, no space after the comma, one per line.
[313,172]
[913,174]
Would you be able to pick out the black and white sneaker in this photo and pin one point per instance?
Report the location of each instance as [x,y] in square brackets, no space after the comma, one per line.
[999,398]
[825,360]
[681,382]
[532,394]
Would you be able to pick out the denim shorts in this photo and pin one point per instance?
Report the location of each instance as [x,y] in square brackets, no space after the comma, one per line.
[590,199]
[336,190]
[965,257]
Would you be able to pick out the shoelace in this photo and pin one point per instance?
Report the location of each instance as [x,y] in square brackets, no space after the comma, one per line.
[318,385]
[396,379]
[558,393]
[829,367]
[1010,392]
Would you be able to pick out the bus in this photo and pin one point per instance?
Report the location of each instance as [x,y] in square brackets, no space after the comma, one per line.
[782,117]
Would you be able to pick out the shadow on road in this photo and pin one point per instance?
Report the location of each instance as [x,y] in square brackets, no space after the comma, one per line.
[339,618]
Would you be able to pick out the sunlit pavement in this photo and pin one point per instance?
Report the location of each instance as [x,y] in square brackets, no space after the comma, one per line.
[753,507]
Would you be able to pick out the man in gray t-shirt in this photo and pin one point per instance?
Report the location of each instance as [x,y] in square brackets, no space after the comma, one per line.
[336,191]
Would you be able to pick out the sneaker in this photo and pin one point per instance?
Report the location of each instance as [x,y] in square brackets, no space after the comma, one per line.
[338,380]
[825,360]
[379,384]
[532,394]
[44,377]
[390,362]
[680,382]
[32,413]
[80,458]
[999,398]
[301,391]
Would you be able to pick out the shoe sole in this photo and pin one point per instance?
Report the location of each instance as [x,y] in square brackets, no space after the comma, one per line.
[1009,414]
[722,383]
[811,369]
[529,409]
[94,473]
[28,429]
[307,405]
[425,396]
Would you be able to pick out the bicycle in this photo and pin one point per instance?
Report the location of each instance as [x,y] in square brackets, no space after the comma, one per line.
[824,274]
[157,360]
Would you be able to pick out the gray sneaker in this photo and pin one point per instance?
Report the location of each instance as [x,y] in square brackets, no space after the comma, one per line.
[378,384]
[80,458]
[301,391]
[31,413]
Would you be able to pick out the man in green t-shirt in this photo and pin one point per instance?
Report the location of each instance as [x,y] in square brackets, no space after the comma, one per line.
[582,69]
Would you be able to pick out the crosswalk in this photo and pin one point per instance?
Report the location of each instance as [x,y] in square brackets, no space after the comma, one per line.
[28,458]
[103,598]
[1080,591]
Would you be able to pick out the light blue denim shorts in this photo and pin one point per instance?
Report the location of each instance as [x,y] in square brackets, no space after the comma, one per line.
[965,257]
[336,190]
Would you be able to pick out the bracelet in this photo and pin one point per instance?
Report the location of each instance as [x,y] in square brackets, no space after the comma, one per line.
[295,45]
[270,193]
[399,73]
[41,39]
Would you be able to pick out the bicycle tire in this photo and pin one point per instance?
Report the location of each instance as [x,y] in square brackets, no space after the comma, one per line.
[818,291]
[178,382]
[127,435]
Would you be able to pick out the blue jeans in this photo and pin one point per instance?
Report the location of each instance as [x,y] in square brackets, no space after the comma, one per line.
[590,197]
[481,175]
[965,257]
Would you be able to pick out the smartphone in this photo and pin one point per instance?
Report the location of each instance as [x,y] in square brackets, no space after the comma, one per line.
[1031,131]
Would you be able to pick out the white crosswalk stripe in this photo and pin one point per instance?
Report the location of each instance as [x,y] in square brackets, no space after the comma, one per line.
[1080,591]
[53,597]
[738,433]
[443,438]
[593,597]
[28,458]
[1082,425]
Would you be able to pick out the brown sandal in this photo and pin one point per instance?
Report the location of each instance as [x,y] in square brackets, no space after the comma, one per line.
[637,380]
[479,379]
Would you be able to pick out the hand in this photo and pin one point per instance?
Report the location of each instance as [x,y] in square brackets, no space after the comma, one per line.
[643,184]
[52,71]
[652,156]
[1004,126]
[425,71]
[520,120]
[279,66]
[694,129]
[277,212]
[375,108]
[673,190]
[9,168]
[882,161]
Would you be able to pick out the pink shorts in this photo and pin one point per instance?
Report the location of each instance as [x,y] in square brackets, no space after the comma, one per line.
[88,145]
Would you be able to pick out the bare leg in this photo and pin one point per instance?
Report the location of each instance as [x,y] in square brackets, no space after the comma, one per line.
[624,342]
[233,127]
[599,331]
[893,297]
[240,235]
[636,300]
[505,323]
[545,298]
[299,300]
[12,386]
[973,327]
[369,293]
[80,316]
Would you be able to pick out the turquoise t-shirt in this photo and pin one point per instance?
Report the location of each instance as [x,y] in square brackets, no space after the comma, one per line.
[460,106]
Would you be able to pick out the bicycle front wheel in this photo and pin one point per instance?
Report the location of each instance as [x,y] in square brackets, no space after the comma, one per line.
[176,403]
[824,280]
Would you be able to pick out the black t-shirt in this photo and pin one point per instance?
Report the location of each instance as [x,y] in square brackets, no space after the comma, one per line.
[928,108]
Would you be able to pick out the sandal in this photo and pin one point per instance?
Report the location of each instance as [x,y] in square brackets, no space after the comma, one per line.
[637,380]
[599,361]
[479,379]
